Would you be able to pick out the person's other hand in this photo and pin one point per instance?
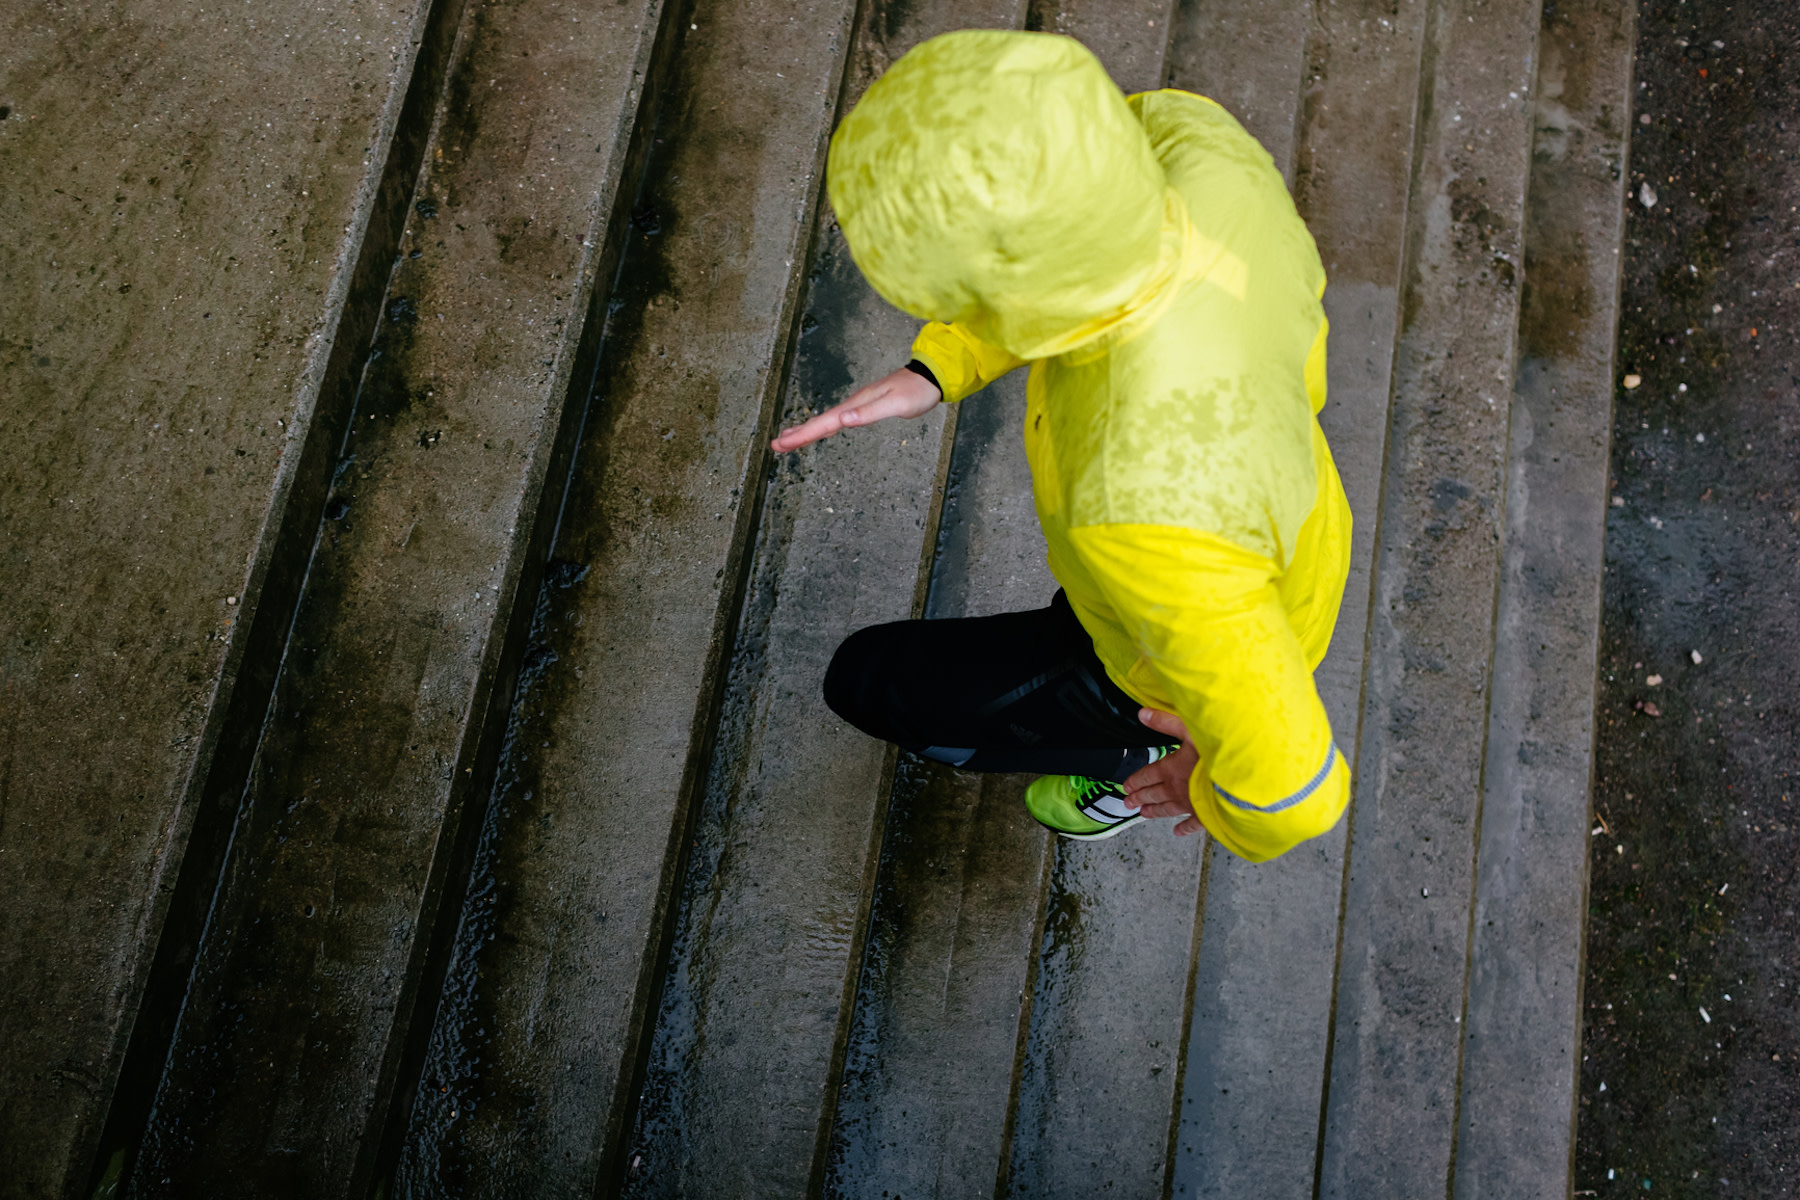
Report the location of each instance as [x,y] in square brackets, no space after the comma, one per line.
[903,394]
[1161,789]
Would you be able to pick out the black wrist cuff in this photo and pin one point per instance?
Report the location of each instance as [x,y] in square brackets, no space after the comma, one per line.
[924,372]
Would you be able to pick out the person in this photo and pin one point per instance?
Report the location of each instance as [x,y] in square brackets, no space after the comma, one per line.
[1143,256]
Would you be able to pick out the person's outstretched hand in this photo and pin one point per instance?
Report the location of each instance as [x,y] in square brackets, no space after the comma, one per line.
[1161,789]
[902,394]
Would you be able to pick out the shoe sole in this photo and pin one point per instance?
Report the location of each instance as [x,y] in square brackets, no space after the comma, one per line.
[1101,836]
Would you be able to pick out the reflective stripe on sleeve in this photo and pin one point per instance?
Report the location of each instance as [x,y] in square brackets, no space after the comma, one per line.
[1312,785]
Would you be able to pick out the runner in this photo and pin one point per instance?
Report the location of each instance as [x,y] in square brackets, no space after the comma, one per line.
[1144,258]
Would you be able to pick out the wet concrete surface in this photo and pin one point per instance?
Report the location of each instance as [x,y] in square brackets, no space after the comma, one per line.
[659,856]
[1131,38]
[1692,901]
[1391,1105]
[948,973]
[769,929]
[529,1083]
[1515,1126]
[771,918]
[278,1079]
[1255,1076]
[1102,1062]
[200,206]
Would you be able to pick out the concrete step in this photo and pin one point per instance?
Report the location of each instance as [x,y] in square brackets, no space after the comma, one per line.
[1521,1054]
[1259,1044]
[201,208]
[548,873]
[1390,1112]
[755,1001]
[295,1020]
[532,1067]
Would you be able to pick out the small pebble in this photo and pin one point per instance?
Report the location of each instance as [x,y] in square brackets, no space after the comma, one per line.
[1705,1016]
[1695,655]
[1632,381]
[1654,680]
[231,599]
[1647,196]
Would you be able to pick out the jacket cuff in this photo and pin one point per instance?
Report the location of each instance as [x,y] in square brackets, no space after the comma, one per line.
[920,369]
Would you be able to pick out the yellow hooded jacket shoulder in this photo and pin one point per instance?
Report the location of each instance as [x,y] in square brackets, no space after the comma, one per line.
[1144,257]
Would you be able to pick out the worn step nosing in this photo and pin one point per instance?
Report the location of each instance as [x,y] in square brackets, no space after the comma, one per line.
[199,823]
[1431,636]
[1521,1058]
[494,639]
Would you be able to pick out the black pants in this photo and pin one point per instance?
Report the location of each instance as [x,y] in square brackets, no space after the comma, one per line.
[1016,692]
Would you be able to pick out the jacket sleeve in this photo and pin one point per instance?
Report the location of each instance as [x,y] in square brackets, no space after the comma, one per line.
[962,363]
[1215,640]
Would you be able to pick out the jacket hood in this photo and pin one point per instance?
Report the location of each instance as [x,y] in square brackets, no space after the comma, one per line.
[1000,181]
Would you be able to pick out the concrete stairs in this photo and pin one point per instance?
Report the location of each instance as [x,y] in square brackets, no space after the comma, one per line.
[416,781]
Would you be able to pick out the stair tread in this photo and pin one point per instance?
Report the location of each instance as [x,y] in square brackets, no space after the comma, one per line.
[1259,1041]
[299,1004]
[770,918]
[551,977]
[1390,1112]
[184,233]
[1521,1055]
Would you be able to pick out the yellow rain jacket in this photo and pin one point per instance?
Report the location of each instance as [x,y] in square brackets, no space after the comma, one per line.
[1144,257]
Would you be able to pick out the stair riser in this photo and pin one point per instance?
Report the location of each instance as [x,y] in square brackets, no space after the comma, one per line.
[208,246]
[1390,1110]
[593,807]
[1521,1058]
[298,1010]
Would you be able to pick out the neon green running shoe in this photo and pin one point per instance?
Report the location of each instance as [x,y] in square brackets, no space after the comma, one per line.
[1088,810]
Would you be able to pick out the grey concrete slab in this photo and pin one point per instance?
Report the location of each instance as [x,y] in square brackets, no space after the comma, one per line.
[1102,1064]
[1131,38]
[926,1103]
[1390,1109]
[1256,1067]
[770,928]
[942,1003]
[1249,55]
[768,943]
[281,1069]
[528,1081]
[1521,1055]
[201,205]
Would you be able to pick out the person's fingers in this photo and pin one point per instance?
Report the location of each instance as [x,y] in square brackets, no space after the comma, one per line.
[1160,791]
[827,423]
[1157,774]
[817,429]
[902,394]
[1164,723]
[890,402]
[1191,825]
